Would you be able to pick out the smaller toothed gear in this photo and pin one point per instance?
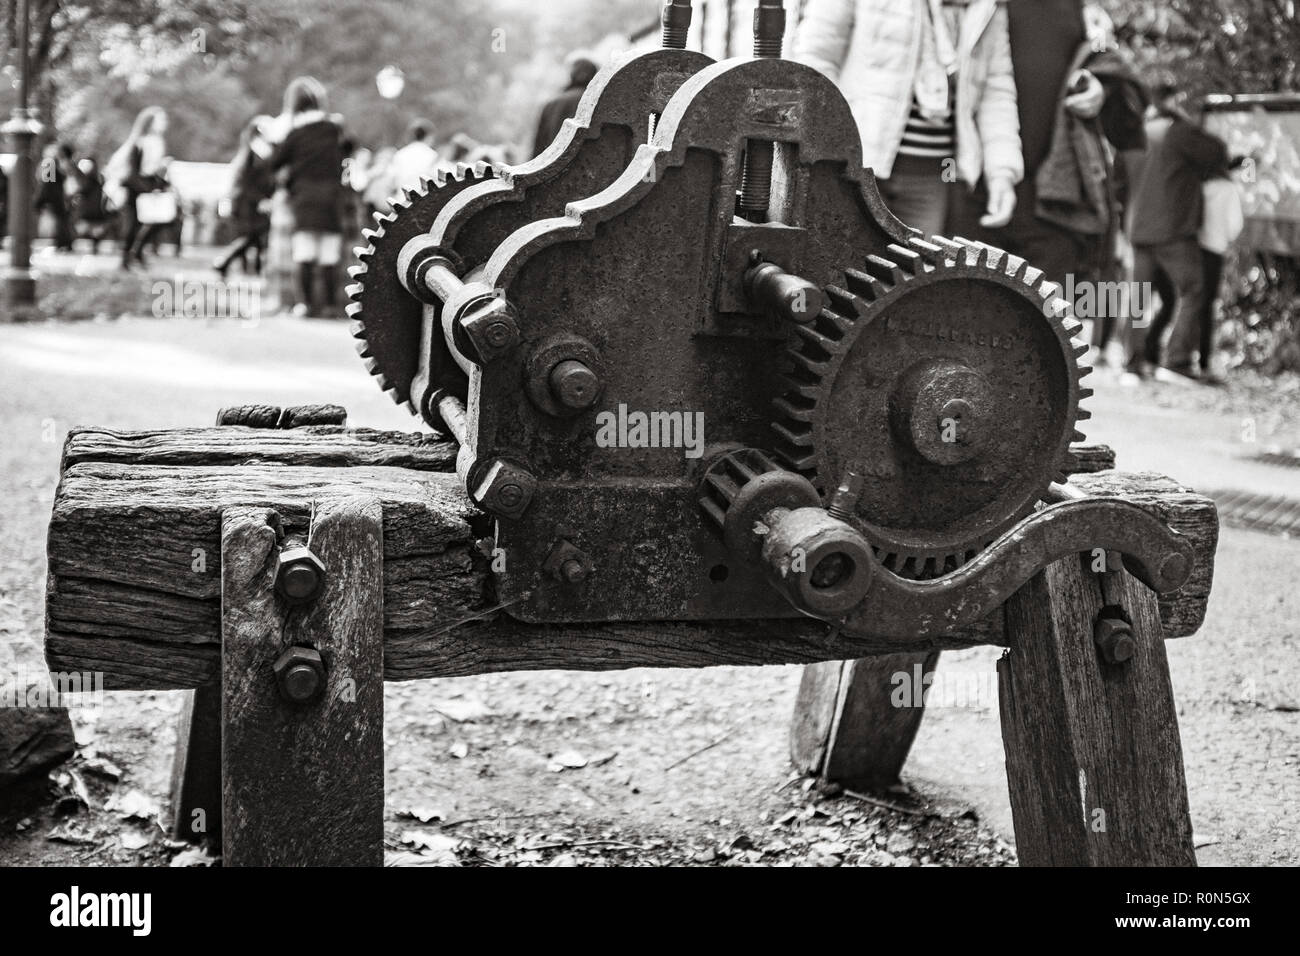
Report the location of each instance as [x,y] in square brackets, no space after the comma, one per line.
[947,377]
[386,319]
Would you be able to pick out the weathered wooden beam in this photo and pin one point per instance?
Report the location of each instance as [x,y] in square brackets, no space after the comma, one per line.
[134,579]
[326,446]
[1094,761]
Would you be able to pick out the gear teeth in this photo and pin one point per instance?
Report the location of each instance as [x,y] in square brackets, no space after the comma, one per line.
[354,290]
[805,390]
[884,270]
[1080,350]
[807,363]
[370,235]
[356,329]
[909,260]
[1085,393]
[1085,370]
[1083,415]
[935,250]
[863,286]
[816,339]
[358,271]
[363,348]
[1078,437]
[1072,326]
[797,439]
[842,302]
[793,411]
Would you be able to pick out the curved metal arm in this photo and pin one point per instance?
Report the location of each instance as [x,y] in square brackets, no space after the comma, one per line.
[902,610]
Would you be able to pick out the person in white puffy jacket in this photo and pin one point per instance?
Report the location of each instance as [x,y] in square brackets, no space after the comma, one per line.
[931,86]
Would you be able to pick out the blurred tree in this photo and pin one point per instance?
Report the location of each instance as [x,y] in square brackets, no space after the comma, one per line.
[1214,46]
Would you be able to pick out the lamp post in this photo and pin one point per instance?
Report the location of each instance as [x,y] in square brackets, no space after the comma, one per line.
[20,279]
[390,81]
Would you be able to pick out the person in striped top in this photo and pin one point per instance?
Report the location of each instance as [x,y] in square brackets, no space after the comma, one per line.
[932,89]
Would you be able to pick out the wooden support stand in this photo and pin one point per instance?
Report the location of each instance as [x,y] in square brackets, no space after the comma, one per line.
[162,555]
[1094,761]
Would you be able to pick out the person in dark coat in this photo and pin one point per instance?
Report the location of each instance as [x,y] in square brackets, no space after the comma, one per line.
[311,156]
[582,69]
[52,192]
[1052,43]
[1165,222]
[91,209]
[251,187]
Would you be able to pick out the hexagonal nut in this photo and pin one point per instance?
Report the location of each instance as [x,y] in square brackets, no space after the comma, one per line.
[299,574]
[506,489]
[1115,640]
[490,328]
[300,674]
[568,564]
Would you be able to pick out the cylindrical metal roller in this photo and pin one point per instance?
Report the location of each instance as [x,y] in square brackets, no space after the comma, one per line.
[773,290]
[774,518]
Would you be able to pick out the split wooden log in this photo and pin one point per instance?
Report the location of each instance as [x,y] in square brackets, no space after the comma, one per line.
[134,557]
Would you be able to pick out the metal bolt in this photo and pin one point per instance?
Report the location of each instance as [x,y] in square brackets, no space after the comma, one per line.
[509,496]
[574,385]
[300,674]
[845,499]
[1114,638]
[573,571]
[490,328]
[567,563]
[676,20]
[498,334]
[299,574]
[506,489]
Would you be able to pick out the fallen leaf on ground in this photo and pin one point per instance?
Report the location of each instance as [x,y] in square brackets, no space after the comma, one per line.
[194,856]
[132,805]
[69,833]
[567,760]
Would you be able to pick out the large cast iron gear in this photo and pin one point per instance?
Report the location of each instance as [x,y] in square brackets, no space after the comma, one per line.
[386,319]
[947,377]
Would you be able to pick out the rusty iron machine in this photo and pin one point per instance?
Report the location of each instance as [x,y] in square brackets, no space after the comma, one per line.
[697,398]
[875,416]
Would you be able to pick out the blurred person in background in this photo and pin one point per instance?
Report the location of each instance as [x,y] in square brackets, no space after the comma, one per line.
[92,212]
[250,196]
[582,70]
[374,190]
[311,158]
[1079,102]
[54,185]
[1222,220]
[1165,220]
[139,168]
[414,161]
[932,89]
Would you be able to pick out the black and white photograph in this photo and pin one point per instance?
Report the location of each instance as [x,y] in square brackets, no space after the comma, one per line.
[655,434]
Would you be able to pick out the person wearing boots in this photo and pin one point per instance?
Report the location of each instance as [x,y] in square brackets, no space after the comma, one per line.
[312,157]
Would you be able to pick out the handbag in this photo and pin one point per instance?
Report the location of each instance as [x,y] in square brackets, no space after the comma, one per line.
[156,208]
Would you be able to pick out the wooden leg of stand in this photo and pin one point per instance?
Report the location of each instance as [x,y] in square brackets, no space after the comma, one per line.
[848,724]
[1094,761]
[303,783]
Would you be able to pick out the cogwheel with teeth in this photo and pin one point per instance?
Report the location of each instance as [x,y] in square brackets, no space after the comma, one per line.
[947,377]
[386,320]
